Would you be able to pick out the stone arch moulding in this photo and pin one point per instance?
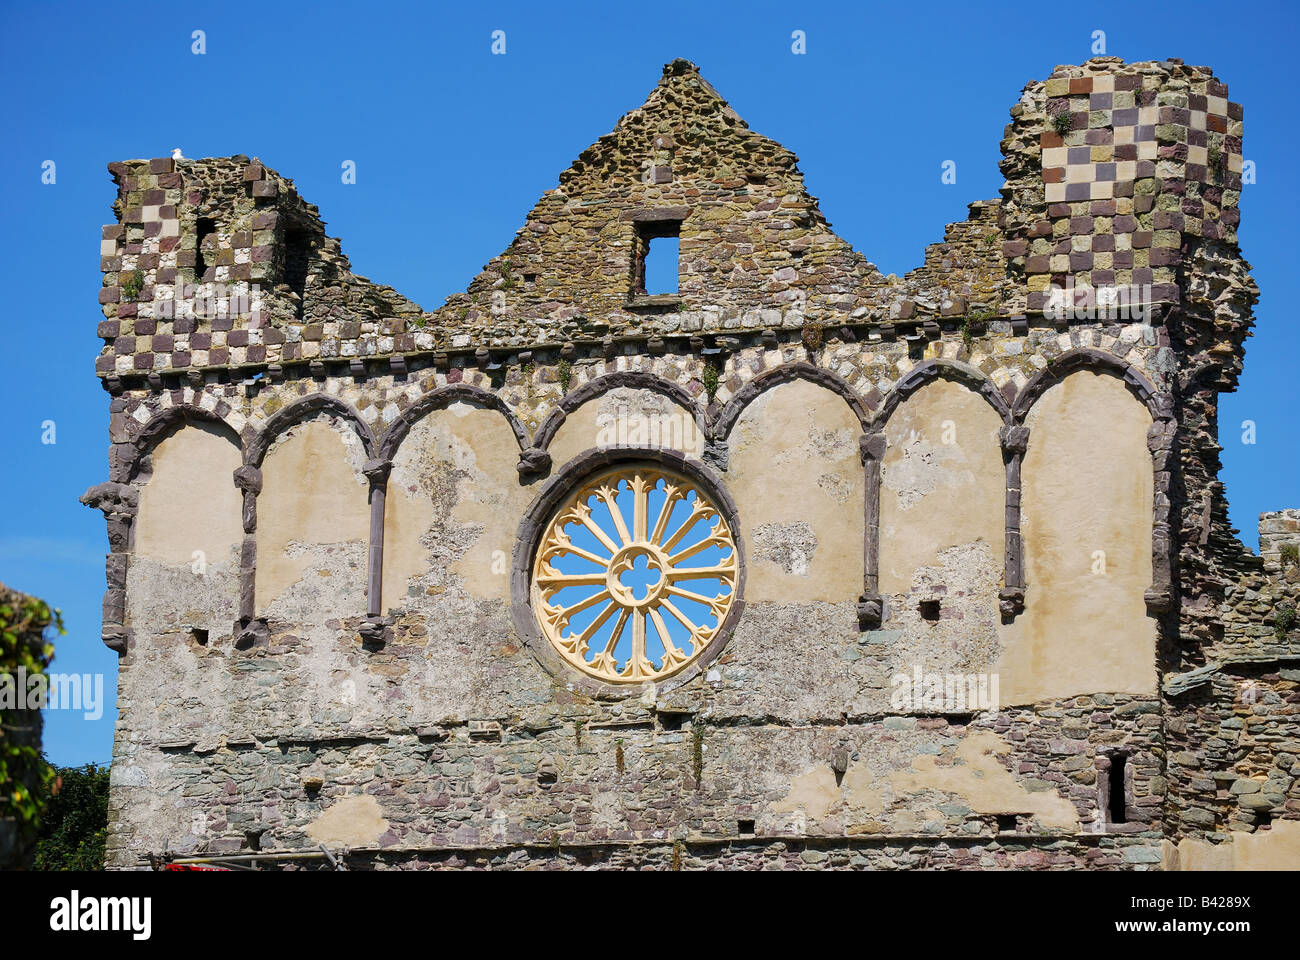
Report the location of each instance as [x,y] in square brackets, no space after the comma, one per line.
[1160,441]
[128,456]
[119,500]
[726,419]
[535,523]
[299,411]
[536,460]
[929,371]
[1097,361]
[871,605]
[439,399]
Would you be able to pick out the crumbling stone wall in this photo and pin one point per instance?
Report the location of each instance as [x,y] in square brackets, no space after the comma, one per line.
[901,460]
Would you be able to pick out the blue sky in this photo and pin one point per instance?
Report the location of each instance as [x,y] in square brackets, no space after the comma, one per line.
[453,145]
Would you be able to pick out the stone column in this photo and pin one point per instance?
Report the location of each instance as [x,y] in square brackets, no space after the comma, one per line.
[119,503]
[373,630]
[248,628]
[871,605]
[1011,598]
[1160,441]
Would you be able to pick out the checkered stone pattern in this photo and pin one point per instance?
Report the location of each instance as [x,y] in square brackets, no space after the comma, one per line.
[1133,158]
[1118,142]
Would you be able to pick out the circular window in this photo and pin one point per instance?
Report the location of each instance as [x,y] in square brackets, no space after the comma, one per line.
[634,574]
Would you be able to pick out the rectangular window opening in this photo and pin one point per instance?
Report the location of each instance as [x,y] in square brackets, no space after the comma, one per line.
[658,251]
[297,256]
[745,828]
[206,227]
[1115,788]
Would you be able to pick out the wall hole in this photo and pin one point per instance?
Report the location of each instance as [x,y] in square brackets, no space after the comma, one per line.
[1115,788]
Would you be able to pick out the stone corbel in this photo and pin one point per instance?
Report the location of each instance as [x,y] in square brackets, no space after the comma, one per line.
[374,628]
[871,605]
[1011,598]
[119,502]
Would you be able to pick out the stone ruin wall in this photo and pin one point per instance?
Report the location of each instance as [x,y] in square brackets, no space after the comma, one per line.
[335,646]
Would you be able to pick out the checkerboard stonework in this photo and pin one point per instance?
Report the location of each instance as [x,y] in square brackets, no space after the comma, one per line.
[1133,157]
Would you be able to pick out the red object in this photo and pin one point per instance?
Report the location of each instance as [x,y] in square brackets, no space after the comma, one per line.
[178,867]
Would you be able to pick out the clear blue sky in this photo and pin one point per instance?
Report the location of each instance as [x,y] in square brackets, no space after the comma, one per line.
[453,145]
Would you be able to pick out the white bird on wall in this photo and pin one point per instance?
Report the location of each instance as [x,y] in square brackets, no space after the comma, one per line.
[176,153]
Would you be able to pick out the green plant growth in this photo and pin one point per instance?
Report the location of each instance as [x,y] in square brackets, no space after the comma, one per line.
[811,335]
[1290,555]
[74,824]
[23,622]
[710,378]
[564,370]
[132,284]
[507,278]
[1062,121]
[972,323]
[1284,620]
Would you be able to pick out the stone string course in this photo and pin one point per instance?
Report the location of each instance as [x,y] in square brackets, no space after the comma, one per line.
[1115,174]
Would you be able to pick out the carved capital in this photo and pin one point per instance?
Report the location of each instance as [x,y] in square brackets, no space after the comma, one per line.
[374,630]
[871,446]
[248,479]
[533,462]
[871,611]
[1015,440]
[377,471]
[1159,599]
[1011,602]
[250,633]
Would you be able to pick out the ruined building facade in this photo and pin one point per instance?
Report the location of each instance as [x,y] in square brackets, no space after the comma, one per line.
[799,566]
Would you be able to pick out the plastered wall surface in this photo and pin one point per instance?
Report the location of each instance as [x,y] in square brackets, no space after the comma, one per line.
[314,523]
[1087,527]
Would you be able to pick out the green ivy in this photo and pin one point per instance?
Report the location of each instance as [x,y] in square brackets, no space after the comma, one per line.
[565,372]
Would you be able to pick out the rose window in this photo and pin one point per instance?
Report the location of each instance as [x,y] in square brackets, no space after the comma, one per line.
[634,575]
